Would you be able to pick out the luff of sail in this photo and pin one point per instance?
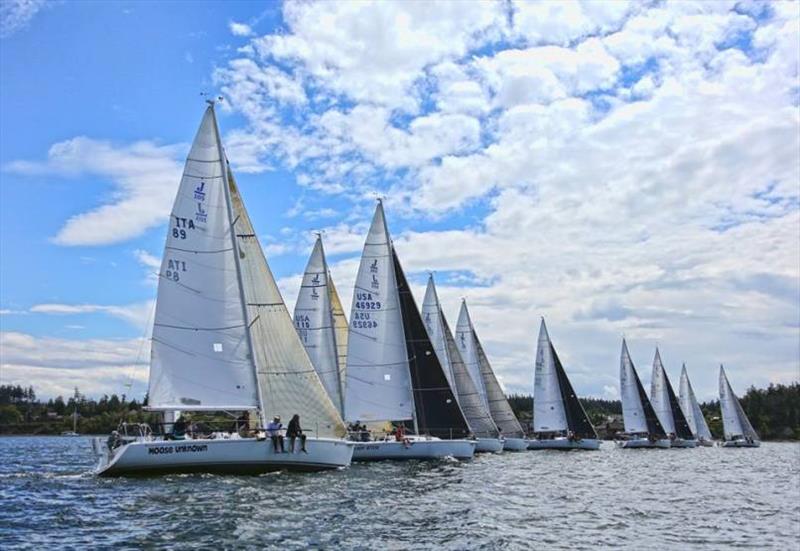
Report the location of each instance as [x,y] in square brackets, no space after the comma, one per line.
[465,341]
[437,410]
[200,358]
[665,403]
[637,411]
[287,380]
[378,382]
[548,407]
[313,318]
[691,409]
[679,422]
[433,323]
[734,420]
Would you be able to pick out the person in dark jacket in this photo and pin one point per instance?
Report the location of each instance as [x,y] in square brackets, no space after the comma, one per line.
[293,431]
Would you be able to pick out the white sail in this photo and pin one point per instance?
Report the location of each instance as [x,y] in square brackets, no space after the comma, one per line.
[548,405]
[632,409]
[341,330]
[501,411]
[734,421]
[288,382]
[691,409]
[313,318]
[467,347]
[433,324]
[378,383]
[659,395]
[200,357]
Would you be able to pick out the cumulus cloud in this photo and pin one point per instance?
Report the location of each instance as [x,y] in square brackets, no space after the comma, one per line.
[240,29]
[138,315]
[16,15]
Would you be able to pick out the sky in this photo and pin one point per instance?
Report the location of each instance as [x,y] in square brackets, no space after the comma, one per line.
[618,168]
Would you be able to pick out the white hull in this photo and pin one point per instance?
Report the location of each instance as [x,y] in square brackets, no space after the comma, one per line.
[705,443]
[416,448]
[564,444]
[235,456]
[515,444]
[642,443]
[740,444]
[488,445]
[680,443]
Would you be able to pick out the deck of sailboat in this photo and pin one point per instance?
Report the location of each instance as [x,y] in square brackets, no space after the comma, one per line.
[563,443]
[413,448]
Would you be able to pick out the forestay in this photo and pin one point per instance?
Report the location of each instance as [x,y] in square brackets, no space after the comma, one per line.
[287,380]
[313,318]
[734,421]
[548,406]
[465,341]
[200,357]
[378,384]
[691,409]
[341,330]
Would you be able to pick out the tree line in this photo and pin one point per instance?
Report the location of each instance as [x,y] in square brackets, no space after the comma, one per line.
[774,411]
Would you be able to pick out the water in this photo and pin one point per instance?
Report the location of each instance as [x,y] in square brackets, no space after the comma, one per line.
[706,498]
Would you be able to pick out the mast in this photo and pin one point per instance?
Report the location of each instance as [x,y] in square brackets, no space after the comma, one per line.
[330,290]
[234,241]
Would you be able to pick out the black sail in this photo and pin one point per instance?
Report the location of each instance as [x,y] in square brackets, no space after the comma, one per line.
[654,427]
[438,412]
[577,420]
[682,429]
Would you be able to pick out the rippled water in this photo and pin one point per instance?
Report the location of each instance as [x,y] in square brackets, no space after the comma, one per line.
[710,497]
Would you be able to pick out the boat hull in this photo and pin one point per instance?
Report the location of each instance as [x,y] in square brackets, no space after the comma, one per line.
[515,444]
[681,443]
[234,456]
[740,444]
[645,443]
[564,444]
[705,443]
[488,445]
[413,449]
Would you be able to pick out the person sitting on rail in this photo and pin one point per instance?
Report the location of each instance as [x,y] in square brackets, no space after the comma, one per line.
[274,428]
[294,431]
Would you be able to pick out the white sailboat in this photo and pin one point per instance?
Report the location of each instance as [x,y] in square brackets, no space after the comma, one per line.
[642,427]
[74,431]
[393,373]
[487,384]
[321,324]
[478,417]
[559,420]
[738,432]
[667,408]
[223,340]
[691,409]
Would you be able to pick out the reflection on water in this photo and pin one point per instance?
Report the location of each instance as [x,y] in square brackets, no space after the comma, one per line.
[709,497]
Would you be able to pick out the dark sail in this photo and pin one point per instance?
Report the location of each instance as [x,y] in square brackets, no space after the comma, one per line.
[682,429]
[577,420]
[438,412]
[654,427]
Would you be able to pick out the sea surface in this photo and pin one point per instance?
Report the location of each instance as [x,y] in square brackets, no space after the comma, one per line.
[708,498]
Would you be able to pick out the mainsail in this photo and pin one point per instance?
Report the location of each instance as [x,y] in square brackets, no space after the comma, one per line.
[691,409]
[496,401]
[665,403]
[465,341]
[437,410]
[734,421]
[201,358]
[477,415]
[568,412]
[637,412]
[378,383]
[314,320]
[287,380]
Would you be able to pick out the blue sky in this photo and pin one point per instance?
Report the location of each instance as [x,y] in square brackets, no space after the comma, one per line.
[619,168]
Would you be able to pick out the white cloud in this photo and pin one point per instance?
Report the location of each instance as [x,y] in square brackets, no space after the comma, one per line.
[139,314]
[144,175]
[16,15]
[240,29]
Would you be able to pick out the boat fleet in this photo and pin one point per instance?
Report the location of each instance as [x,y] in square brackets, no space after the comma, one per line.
[393,382]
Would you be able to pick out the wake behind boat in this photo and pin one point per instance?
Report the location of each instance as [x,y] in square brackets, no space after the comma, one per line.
[642,427]
[559,420]
[738,432]
[223,341]
[393,374]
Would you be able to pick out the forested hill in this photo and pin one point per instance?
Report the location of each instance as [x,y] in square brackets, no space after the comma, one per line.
[774,412]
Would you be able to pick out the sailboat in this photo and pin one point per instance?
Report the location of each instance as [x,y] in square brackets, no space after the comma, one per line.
[559,419]
[74,431]
[667,408]
[691,409]
[738,432]
[393,373]
[321,324]
[488,386]
[642,427]
[223,341]
[478,417]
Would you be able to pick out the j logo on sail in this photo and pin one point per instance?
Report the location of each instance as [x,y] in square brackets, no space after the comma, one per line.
[373,268]
[315,279]
[199,192]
